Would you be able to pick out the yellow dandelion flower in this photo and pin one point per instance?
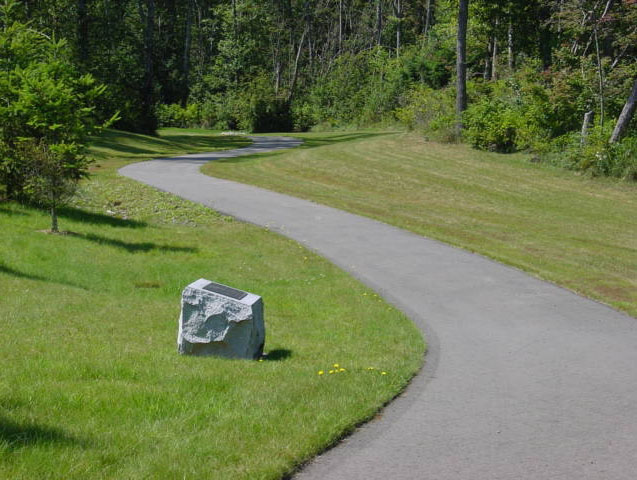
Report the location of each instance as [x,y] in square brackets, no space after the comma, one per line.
[321,372]
[331,371]
[341,369]
[336,365]
[383,373]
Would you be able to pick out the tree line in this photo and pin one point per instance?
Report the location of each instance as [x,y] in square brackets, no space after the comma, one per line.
[557,77]
[167,52]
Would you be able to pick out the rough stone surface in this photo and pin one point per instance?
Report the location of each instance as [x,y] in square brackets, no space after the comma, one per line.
[214,324]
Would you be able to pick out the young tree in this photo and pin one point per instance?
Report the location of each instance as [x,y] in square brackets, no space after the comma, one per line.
[49,181]
[46,115]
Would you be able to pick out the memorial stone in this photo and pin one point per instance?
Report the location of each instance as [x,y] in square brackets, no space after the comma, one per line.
[221,321]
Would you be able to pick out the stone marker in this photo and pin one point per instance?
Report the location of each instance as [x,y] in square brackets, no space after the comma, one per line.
[220,320]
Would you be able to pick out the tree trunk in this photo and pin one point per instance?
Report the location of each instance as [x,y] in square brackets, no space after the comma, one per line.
[626,116]
[428,16]
[486,75]
[559,21]
[82,30]
[296,65]
[340,26]
[149,123]
[545,37]
[54,220]
[277,77]
[186,59]
[494,61]
[399,18]
[510,46]
[586,124]
[235,28]
[461,63]
[600,75]
[379,22]
[276,64]
[310,36]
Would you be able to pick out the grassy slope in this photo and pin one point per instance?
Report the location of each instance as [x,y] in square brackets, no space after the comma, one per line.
[575,231]
[91,384]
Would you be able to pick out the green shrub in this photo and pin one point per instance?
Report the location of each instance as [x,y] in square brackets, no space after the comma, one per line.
[369,87]
[208,114]
[253,106]
[508,115]
[429,111]
[174,115]
[260,109]
[304,116]
[621,159]
[595,156]
[491,124]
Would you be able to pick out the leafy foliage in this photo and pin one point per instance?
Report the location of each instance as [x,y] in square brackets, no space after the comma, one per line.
[595,156]
[46,116]
[534,67]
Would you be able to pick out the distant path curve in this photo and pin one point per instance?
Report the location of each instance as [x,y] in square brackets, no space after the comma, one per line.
[523,380]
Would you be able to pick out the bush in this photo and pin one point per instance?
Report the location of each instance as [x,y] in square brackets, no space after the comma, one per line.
[174,115]
[208,116]
[367,88]
[259,109]
[596,156]
[508,115]
[429,111]
[304,116]
[493,125]
[621,159]
[253,106]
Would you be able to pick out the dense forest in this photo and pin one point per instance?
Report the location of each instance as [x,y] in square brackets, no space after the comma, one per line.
[548,76]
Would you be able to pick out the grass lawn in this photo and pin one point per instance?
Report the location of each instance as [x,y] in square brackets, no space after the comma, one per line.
[575,231]
[92,385]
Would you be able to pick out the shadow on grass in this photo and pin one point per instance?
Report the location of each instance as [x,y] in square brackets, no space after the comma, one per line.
[309,142]
[16,435]
[195,141]
[12,213]
[277,355]
[127,142]
[19,274]
[83,216]
[133,247]
[28,276]
[135,144]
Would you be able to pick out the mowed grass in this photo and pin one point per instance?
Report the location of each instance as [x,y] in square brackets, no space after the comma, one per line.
[118,148]
[575,231]
[91,384]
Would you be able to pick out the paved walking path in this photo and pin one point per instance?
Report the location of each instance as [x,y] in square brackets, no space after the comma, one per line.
[523,379]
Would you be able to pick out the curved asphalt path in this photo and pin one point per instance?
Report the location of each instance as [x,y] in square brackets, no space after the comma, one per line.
[523,379]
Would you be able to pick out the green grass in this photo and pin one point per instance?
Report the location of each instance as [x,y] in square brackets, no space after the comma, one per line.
[575,231]
[114,145]
[92,385]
